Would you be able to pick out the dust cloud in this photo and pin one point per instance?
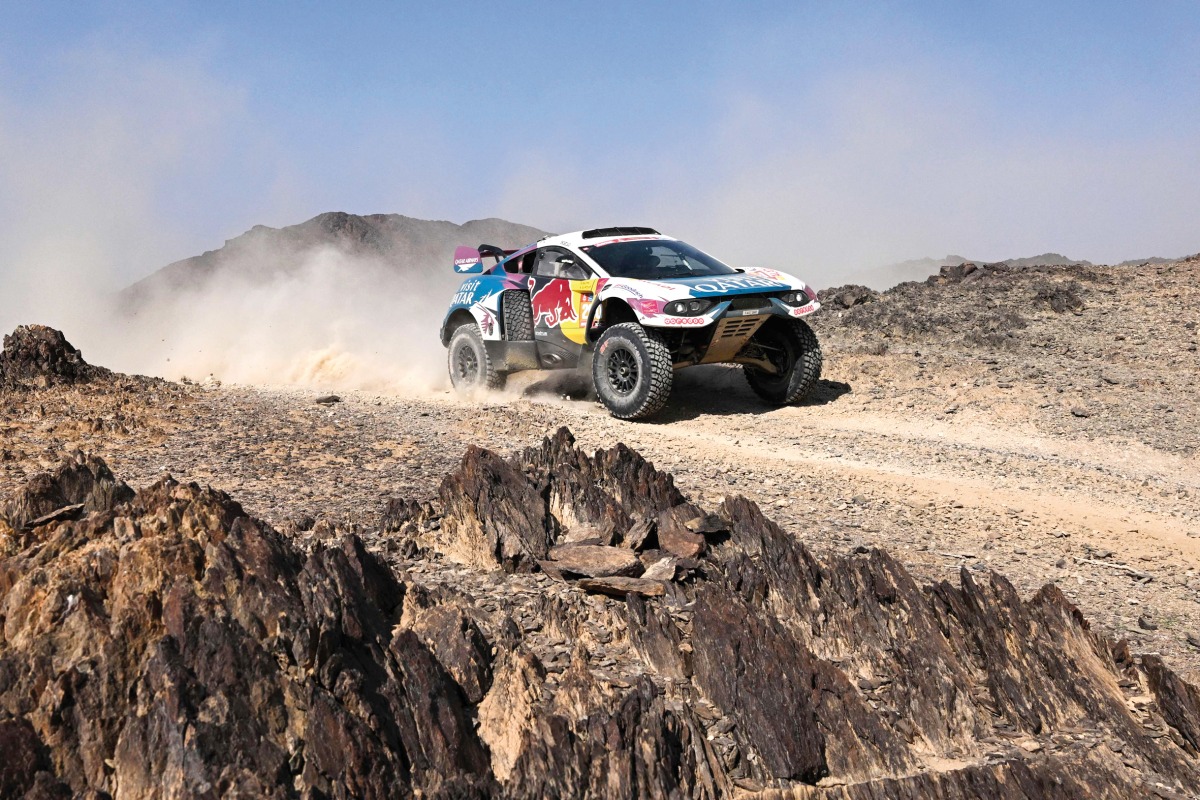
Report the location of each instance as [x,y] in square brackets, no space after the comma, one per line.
[336,321]
[106,174]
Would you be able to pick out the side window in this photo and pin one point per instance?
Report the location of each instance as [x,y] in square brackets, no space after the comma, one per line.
[523,265]
[551,262]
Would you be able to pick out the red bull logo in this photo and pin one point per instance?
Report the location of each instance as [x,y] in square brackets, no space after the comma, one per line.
[552,304]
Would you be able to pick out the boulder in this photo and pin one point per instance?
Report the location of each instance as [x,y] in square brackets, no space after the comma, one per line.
[619,586]
[595,561]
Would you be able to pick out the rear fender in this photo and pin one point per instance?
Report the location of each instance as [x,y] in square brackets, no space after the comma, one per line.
[478,301]
[455,320]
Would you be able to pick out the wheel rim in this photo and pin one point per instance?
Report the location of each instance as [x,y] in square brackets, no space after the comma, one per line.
[466,364]
[622,371]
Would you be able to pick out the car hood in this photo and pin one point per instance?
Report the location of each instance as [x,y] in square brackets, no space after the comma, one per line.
[752,281]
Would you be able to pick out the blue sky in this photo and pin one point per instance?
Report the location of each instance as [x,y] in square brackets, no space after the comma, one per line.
[818,136]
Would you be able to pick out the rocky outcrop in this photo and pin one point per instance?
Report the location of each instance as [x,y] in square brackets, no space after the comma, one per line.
[514,513]
[40,356]
[171,644]
[848,296]
[178,646]
[81,484]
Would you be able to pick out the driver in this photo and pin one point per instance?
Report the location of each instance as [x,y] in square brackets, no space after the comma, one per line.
[639,259]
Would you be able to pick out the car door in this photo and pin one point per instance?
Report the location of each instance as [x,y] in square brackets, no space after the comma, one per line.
[561,292]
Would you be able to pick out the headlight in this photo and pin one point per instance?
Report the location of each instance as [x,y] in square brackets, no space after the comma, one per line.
[687,308]
[796,298]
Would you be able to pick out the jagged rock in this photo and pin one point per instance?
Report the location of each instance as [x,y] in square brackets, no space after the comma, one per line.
[1179,701]
[172,645]
[398,511]
[41,356]
[662,566]
[493,515]
[658,638]
[59,515]
[587,535]
[596,561]
[602,493]
[80,480]
[460,646]
[507,513]
[958,272]
[662,570]
[208,655]
[1059,298]
[641,535]
[708,524]
[510,710]
[24,765]
[674,535]
[578,692]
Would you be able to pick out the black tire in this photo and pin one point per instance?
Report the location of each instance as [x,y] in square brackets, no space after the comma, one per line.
[631,370]
[470,367]
[795,351]
[518,316]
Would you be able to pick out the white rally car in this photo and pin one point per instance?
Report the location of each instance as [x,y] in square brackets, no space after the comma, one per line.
[631,306]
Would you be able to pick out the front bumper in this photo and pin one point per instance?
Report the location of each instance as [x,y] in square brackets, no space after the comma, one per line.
[734,308]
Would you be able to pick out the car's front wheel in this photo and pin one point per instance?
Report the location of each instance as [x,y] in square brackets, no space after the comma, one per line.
[470,367]
[792,348]
[631,369]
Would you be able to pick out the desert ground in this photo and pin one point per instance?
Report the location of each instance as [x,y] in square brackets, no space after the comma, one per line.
[1070,455]
[1042,424]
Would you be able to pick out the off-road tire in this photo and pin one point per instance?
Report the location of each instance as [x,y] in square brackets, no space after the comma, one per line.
[801,366]
[518,316]
[470,367]
[631,371]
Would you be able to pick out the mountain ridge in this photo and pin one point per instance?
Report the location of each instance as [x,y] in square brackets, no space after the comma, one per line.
[263,253]
[918,269]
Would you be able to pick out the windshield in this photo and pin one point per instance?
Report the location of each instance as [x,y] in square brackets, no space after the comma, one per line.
[654,259]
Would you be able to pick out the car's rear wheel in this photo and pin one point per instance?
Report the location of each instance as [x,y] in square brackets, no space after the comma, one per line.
[470,367]
[792,348]
[631,370]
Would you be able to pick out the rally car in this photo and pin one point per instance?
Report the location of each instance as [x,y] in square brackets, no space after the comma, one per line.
[630,306]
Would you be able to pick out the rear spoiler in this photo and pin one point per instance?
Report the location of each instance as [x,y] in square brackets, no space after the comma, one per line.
[470,259]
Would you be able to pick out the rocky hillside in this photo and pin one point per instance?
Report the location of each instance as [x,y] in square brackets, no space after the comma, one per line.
[1089,351]
[917,269]
[262,253]
[555,623]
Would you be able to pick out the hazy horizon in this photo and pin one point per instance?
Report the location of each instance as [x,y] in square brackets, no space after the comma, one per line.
[825,141]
